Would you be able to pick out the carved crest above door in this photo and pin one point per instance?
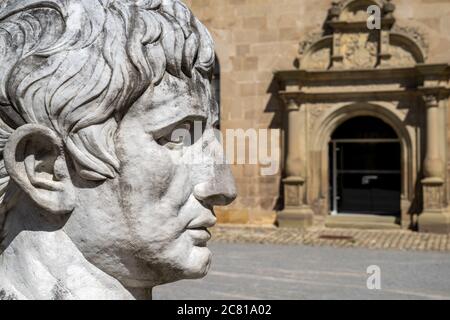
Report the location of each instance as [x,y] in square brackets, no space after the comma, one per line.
[346,42]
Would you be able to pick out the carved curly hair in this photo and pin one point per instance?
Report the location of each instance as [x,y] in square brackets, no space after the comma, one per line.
[76,66]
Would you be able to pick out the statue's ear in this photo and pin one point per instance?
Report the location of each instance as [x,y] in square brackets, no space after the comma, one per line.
[34,158]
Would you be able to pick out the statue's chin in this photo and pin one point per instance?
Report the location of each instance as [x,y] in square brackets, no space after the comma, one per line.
[198,263]
[194,266]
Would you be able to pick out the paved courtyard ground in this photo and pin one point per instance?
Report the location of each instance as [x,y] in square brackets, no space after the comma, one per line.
[255,271]
[347,238]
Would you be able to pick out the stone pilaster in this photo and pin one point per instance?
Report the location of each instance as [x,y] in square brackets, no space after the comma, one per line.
[433,218]
[336,54]
[296,213]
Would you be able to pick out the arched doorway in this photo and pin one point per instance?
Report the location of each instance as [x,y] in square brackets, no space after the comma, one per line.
[365,168]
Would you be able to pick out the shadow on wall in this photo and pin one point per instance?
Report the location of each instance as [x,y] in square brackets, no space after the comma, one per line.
[275,107]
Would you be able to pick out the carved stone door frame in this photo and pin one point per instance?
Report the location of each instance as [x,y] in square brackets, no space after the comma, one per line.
[348,70]
[337,114]
[312,117]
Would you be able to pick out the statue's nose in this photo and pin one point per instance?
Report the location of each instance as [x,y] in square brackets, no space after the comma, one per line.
[215,195]
[220,190]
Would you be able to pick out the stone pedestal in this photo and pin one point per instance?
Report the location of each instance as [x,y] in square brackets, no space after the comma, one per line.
[434,223]
[296,213]
[434,218]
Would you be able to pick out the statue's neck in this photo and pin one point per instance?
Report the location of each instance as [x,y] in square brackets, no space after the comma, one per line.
[47,265]
[141,293]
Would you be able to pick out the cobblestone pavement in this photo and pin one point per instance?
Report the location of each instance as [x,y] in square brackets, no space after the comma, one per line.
[372,239]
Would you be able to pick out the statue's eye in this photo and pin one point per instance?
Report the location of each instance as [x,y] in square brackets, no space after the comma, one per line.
[178,137]
[182,135]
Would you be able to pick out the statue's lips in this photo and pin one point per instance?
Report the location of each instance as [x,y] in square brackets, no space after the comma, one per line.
[198,228]
[200,236]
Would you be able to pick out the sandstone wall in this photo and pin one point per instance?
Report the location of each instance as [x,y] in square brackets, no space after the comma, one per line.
[256,37]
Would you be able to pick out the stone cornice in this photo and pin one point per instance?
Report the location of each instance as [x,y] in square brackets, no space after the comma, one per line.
[340,26]
[420,71]
[362,85]
[362,96]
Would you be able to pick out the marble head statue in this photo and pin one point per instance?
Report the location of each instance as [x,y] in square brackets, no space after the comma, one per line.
[96,202]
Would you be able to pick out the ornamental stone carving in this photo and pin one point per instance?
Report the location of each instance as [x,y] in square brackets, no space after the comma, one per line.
[415,34]
[360,50]
[433,197]
[347,42]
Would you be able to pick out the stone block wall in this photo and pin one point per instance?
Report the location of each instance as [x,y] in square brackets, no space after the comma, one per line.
[253,39]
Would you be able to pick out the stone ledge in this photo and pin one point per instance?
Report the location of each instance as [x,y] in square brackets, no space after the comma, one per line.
[362,222]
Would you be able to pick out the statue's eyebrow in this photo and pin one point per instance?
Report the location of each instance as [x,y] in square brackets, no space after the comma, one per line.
[164,130]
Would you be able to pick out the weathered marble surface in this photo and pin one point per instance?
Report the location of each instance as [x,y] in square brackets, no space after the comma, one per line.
[100,199]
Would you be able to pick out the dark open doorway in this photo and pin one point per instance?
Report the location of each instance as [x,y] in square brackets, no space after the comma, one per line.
[365,168]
